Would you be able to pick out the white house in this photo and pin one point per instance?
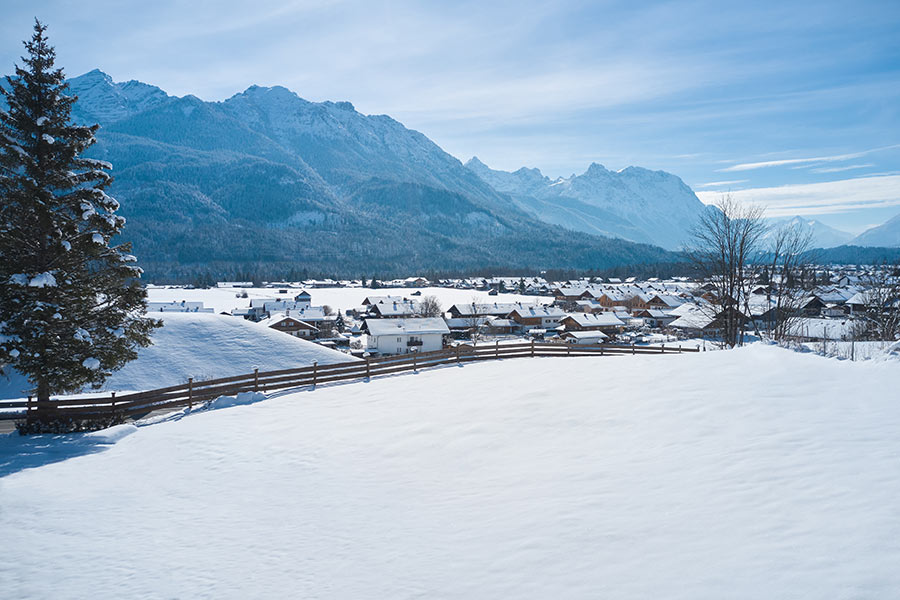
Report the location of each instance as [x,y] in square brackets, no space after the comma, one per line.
[402,336]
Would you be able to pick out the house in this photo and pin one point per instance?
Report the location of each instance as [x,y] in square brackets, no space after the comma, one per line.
[489,309]
[653,317]
[543,317]
[606,322]
[402,336]
[303,299]
[583,338]
[291,325]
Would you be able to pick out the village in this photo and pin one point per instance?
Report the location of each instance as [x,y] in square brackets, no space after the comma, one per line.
[417,315]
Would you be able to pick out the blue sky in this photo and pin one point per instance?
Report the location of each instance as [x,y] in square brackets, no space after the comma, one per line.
[792,104]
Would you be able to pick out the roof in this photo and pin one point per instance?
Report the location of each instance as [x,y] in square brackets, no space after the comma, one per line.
[407,326]
[395,308]
[583,336]
[606,319]
[489,308]
[539,311]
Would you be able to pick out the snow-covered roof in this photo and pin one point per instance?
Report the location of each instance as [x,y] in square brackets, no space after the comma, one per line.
[584,336]
[414,326]
[527,312]
[607,319]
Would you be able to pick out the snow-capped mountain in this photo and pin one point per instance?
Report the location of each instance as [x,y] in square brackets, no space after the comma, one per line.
[885,235]
[822,235]
[270,179]
[104,101]
[634,204]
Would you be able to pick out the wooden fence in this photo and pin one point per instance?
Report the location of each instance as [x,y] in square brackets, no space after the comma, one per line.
[138,404]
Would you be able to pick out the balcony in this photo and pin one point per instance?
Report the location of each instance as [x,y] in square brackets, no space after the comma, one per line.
[412,343]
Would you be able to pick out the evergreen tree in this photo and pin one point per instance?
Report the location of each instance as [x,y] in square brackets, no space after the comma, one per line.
[71,306]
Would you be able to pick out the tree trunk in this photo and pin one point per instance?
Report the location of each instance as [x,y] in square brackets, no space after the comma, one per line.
[43,391]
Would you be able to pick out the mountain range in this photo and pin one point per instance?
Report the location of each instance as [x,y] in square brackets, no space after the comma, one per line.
[635,204]
[268,178]
[267,182]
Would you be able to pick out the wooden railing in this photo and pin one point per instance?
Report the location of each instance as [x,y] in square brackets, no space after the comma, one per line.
[134,405]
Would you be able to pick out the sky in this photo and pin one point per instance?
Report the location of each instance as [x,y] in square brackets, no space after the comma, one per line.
[794,105]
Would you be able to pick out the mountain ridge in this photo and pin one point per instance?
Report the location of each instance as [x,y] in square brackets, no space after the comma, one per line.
[268,179]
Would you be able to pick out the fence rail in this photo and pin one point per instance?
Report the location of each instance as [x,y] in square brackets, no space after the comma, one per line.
[195,392]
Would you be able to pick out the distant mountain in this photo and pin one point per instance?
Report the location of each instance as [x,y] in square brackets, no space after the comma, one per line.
[269,182]
[822,235]
[884,235]
[634,204]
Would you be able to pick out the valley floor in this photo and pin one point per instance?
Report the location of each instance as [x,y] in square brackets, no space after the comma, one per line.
[753,473]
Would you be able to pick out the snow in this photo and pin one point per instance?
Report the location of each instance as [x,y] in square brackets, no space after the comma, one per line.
[47,138]
[66,245]
[42,280]
[529,478]
[203,346]
[91,363]
[40,121]
[224,299]
[97,239]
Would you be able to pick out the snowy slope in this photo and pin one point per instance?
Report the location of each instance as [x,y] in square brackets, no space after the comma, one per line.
[887,235]
[573,478]
[634,204]
[204,346]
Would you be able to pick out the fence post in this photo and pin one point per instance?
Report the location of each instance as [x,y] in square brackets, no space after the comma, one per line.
[496,349]
[679,348]
[368,376]
[113,404]
[190,392]
[568,349]
[457,354]
[532,347]
[632,348]
[415,370]
[662,349]
[28,408]
[256,379]
[315,371]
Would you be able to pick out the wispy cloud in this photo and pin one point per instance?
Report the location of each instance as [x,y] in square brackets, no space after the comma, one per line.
[820,198]
[839,169]
[800,161]
[721,183]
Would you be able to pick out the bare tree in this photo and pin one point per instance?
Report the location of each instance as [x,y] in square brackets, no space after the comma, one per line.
[429,306]
[475,318]
[725,243]
[882,303]
[789,249]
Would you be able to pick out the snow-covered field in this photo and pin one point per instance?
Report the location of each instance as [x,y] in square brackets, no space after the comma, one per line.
[224,299]
[754,473]
[203,346]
